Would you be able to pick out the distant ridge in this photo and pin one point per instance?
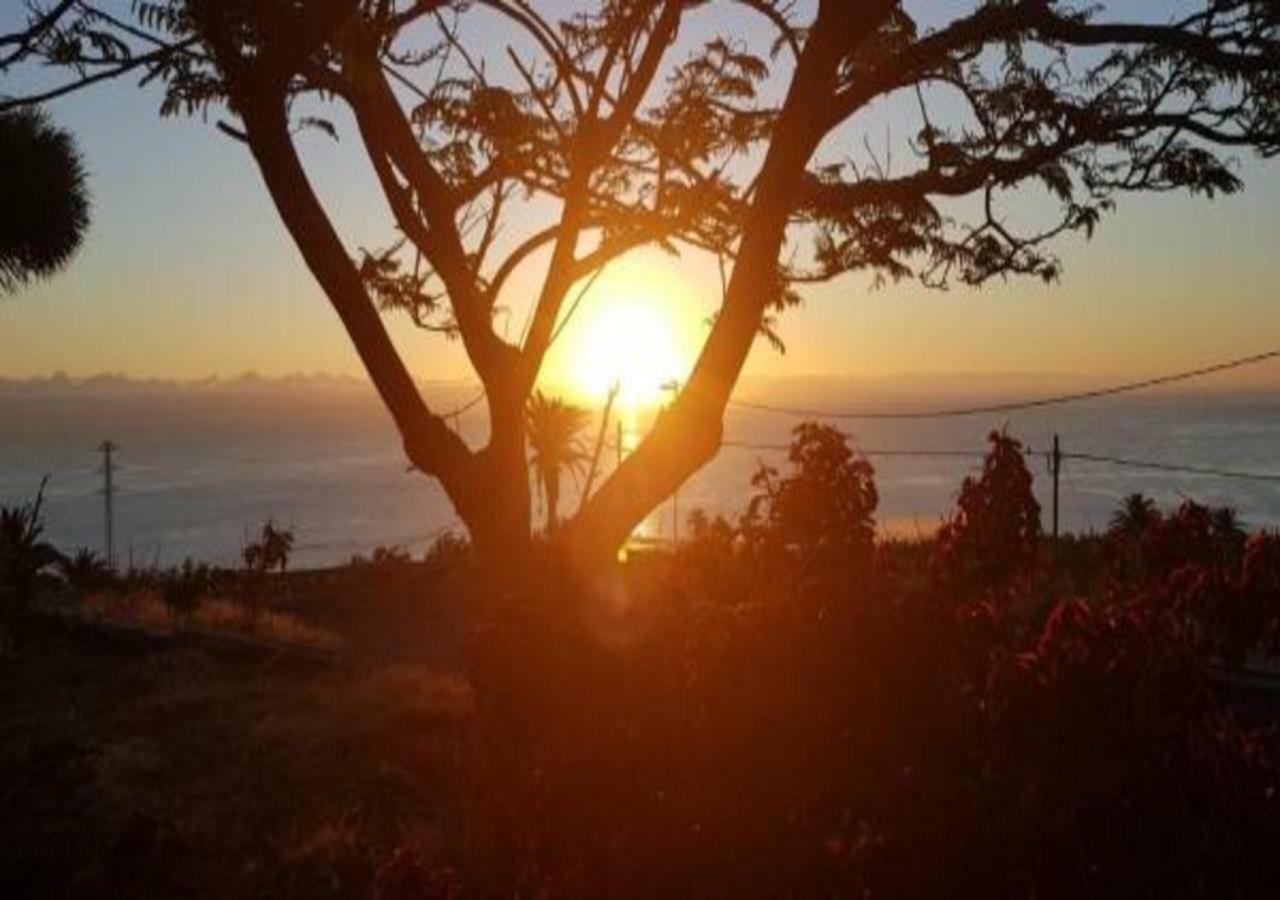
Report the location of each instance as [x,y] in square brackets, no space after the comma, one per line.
[247,382]
[773,388]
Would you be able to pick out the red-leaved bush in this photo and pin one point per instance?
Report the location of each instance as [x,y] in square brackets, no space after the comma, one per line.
[713,724]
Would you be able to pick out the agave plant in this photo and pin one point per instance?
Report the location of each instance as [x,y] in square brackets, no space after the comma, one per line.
[45,214]
[555,439]
[24,554]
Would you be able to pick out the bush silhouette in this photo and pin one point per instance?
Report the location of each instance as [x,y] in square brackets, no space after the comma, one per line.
[991,544]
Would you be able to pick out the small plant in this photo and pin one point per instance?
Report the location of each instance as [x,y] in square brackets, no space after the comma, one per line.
[271,551]
[24,554]
[183,589]
[447,552]
[85,570]
[390,558]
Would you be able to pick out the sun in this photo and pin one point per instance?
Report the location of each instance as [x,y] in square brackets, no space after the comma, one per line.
[628,344]
[638,328]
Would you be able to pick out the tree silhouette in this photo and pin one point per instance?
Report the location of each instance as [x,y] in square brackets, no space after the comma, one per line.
[555,441]
[1136,514]
[270,551]
[991,543]
[480,116]
[45,212]
[824,508]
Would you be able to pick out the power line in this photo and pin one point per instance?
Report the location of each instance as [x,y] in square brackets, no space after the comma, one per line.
[1169,467]
[457,411]
[1082,457]
[959,412]
[783,448]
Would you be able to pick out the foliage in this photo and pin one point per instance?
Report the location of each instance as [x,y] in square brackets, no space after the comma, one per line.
[393,557]
[707,723]
[599,130]
[45,212]
[1136,514]
[824,511]
[383,558]
[700,720]
[183,588]
[555,445]
[447,552]
[270,551]
[991,544]
[86,570]
[24,554]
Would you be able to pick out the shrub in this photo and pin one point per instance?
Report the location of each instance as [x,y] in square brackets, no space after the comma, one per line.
[271,551]
[447,552]
[24,554]
[990,546]
[85,570]
[700,721]
[183,588]
[823,512]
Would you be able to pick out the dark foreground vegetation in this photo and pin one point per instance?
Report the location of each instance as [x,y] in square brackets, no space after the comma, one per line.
[780,707]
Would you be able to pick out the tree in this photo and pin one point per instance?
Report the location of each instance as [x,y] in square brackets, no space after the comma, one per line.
[1136,514]
[277,544]
[270,551]
[992,542]
[555,440]
[480,114]
[45,212]
[824,509]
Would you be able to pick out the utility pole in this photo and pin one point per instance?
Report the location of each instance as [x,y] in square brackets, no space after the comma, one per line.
[1056,467]
[108,495]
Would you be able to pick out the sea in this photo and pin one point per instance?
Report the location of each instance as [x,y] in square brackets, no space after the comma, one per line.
[199,467]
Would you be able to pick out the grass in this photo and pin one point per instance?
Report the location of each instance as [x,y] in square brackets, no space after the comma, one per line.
[133,768]
[145,609]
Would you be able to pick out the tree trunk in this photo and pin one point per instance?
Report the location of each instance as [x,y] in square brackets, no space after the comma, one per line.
[497,514]
[552,488]
[489,489]
[688,435]
[496,507]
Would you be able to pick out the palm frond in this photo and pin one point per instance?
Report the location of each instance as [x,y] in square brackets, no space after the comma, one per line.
[45,212]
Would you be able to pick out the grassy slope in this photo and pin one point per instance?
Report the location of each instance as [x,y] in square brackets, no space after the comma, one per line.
[132,769]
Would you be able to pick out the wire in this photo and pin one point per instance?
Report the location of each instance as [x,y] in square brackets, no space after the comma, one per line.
[464,408]
[1169,467]
[1082,457]
[1125,388]
[783,448]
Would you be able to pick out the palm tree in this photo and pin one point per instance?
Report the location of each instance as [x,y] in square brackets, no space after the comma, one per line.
[555,429]
[277,544]
[46,210]
[1136,513]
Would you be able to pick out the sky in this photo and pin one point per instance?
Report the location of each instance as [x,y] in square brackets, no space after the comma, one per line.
[187,273]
